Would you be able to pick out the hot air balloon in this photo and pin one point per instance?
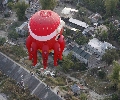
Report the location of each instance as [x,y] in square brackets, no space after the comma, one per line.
[45,35]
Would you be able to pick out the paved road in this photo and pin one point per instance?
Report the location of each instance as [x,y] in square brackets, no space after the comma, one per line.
[3,96]
[36,86]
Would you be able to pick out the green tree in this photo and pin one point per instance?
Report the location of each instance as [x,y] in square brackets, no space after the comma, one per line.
[110,6]
[114,97]
[48,4]
[66,64]
[10,5]
[13,34]
[101,74]
[2,41]
[110,56]
[18,51]
[104,36]
[20,8]
[83,96]
[116,72]
[81,40]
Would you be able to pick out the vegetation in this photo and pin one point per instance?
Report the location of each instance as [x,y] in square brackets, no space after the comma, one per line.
[10,5]
[2,41]
[18,51]
[105,7]
[83,96]
[115,76]
[57,81]
[14,52]
[14,92]
[94,5]
[101,74]
[20,8]
[13,34]
[80,39]
[111,6]
[68,63]
[48,4]
[110,56]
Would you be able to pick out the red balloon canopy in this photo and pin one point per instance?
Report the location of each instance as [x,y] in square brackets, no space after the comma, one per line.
[44,22]
[45,28]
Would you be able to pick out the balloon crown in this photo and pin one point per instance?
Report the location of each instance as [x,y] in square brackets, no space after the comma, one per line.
[45,14]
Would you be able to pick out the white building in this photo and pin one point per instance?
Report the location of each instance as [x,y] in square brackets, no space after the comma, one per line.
[98,47]
[4,3]
[68,12]
[22,29]
[78,22]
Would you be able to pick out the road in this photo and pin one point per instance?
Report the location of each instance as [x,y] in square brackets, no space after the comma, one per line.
[3,96]
[42,83]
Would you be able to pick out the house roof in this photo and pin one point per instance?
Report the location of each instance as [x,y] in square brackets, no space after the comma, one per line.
[23,25]
[75,48]
[75,88]
[83,54]
[87,56]
[95,17]
[78,22]
[68,10]
[79,51]
[98,45]
[5,2]
[88,30]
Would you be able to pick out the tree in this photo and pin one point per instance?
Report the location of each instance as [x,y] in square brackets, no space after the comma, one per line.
[101,74]
[66,64]
[104,36]
[115,76]
[18,51]
[116,72]
[48,4]
[20,10]
[112,31]
[81,40]
[10,5]
[114,97]
[13,34]
[110,6]
[83,96]
[110,56]
[2,41]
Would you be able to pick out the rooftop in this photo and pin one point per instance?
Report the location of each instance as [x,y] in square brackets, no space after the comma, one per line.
[100,46]
[81,52]
[23,25]
[68,10]
[87,56]
[77,22]
[75,48]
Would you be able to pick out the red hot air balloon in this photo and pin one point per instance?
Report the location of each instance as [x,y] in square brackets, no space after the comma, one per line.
[45,34]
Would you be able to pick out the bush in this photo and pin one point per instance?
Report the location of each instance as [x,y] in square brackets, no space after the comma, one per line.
[7,15]
[13,34]
[114,97]
[83,96]
[10,5]
[2,41]
[101,74]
